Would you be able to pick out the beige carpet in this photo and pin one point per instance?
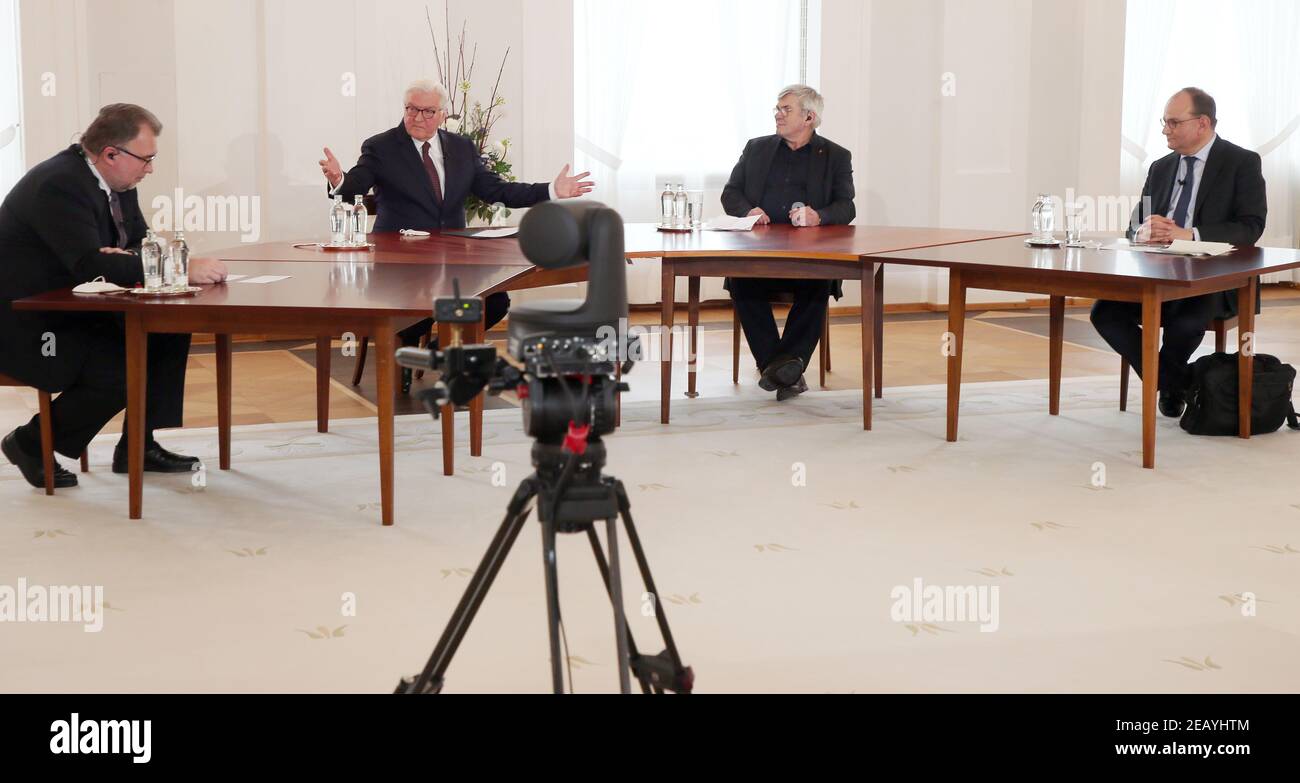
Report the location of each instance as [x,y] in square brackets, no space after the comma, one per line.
[245,584]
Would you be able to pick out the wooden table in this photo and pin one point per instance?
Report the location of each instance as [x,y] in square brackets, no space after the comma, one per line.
[782,251]
[325,298]
[1124,275]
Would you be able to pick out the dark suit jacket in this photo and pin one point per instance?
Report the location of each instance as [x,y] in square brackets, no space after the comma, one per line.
[830,182]
[1231,205]
[52,225]
[391,165]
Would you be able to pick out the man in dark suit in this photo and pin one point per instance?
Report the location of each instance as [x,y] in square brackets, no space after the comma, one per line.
[422,175]
[1208,189]
[72,219]
[774,174]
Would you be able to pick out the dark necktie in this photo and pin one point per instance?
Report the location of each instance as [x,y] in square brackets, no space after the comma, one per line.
[1185,197]
[115,207]
[433,175]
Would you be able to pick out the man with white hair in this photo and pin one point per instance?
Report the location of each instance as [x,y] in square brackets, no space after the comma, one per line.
[794,177]
[422,175]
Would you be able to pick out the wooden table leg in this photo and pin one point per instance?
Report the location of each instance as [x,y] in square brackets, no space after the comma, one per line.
[385,340]
[448,415]
[880,329]
[223,400]
[693,355]
[476,404]
[956,345]
[668,293]
[1150,374]
[323,384]
[1245,355]
[137,357]
[867,319]
[1056,341]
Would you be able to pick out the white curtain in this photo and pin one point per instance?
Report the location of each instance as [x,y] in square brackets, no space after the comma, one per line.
[670,92]
[1243,53]
[11,147]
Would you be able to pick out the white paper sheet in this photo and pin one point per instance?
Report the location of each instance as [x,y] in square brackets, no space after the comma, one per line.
[497,233]
[728,223]
[264,279]
[1179,247]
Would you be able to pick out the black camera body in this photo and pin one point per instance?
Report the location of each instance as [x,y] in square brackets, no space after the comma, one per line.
[570,350]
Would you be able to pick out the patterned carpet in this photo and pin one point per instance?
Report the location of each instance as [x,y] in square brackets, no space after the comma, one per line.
[787,544]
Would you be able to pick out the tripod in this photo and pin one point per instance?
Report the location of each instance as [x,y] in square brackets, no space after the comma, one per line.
[573,495]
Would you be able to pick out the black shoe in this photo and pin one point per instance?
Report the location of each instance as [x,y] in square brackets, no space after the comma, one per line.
[407,374]
[1171,404]
[788,392]
[30,465]
[780,373]
[156,460]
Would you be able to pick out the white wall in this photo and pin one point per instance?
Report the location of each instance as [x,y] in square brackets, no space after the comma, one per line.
[250,90]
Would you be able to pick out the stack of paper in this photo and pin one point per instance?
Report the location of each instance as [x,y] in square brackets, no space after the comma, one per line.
[1179,247]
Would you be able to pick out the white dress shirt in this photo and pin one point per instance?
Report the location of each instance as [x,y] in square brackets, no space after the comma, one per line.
[1198,169]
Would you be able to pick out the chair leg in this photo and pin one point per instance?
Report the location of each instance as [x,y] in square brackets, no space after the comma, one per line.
[85,463]
[1123,384]
[826,340]
[1220,336]
[361,360]
[735,347]
[47,441]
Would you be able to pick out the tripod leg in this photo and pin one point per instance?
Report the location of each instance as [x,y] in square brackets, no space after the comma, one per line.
[615,582]
[624,506]
[552,603]
[430,680]
[631,652]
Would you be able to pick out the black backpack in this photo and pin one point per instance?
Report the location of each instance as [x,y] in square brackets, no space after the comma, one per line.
[1212,398]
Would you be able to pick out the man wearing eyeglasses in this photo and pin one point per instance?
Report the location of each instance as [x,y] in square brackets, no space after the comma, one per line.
[72,219]
[799,178]
[1207,189]
[422,175]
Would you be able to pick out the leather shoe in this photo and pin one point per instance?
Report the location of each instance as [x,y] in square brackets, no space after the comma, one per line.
[794,390]
[30,465]
[1171,404]
[156,460]
[783,371]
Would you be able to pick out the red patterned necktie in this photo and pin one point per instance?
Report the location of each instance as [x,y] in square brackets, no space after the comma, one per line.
[433,175]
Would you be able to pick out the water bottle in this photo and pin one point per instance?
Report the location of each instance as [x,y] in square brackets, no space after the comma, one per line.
[359,218]
[338,222]
[151,260]
[180,263]
[666,206]
[679,206]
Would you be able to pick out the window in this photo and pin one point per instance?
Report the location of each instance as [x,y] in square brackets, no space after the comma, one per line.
[1245,55]
[671,91]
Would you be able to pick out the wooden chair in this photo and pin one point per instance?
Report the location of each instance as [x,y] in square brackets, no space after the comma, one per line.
[1221,327]
[823,346]
[47,434]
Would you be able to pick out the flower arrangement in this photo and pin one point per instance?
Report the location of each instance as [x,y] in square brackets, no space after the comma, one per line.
[474,121]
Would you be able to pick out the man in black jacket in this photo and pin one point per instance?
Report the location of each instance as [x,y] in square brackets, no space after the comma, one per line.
[72,219]
[1208,189]
[422,175]
[774,174]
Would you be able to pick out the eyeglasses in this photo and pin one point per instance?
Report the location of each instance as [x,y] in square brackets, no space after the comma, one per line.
[428,114]
[145,161]
[1171,124]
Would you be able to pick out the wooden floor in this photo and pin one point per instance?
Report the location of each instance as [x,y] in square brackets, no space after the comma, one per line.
[274,381]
